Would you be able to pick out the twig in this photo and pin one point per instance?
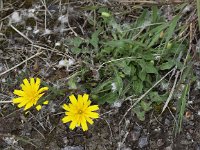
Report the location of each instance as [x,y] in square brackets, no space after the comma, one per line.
[198,12]
[5,102]
[21,34]
[69,23]
[37,54]
[150,2]
[171,93]
[111,134]
[142,96]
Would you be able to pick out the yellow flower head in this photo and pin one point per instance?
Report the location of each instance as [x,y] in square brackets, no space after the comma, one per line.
[30,93]
[79,112]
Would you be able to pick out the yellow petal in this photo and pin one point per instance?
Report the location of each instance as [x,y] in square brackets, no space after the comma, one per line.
[89,120]
[28,105]
[66,119]
[84,125]
[26,83]
[93,108]
[87,103]
[80,101]
[43,89]
[70,113]
[79,120]
[37,84]
[72,125]
[32,82]
[66,107]
[93,115]
[19,92]
[23,87]
[85,97]
[22,104]
[46,102]
[17,100]
[38,107]
[73,99]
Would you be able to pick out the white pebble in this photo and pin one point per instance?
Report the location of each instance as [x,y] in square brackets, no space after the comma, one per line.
[16,17]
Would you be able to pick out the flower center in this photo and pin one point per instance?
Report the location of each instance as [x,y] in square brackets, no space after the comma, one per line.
[32,95]
[80,112]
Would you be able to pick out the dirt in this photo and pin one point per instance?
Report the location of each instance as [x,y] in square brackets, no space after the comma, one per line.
[19,131]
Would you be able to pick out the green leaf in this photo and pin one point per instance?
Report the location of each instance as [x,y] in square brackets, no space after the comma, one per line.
[75,50]
[142,18]
[140,114]
[102,86]
[170,31]
[138,86]
[167,65]
[149,68]
[77,41]
[109,98]
[145,106]
[123,65]
[72,84]
[142,75]
[155,97]
[181,107]
[95,39]
[119,82]
[154,14]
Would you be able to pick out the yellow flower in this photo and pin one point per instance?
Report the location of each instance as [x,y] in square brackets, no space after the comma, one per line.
[30,93]
[79,112]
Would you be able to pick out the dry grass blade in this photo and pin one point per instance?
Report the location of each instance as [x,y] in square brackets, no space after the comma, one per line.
[21,34]
[5,102]
[37,54]
[152,2]
[198,12]
[171,93]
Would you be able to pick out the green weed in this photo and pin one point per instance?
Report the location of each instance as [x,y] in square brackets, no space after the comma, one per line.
[131,57]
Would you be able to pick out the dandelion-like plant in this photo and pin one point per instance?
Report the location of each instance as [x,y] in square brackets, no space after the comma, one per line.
[79,112]
[30,93]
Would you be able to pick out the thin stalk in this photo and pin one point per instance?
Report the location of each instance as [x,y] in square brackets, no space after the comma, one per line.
[198,12]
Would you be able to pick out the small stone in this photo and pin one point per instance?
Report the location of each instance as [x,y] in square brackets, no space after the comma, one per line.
[1,68]
[188,136]
[29,28]
[187,9]
[15,17]
[198,113]
[3,80]
[167,122]
[135,135]
[47,31]
[143,141]
[57,44]
[198,147]
[168,148]
[126,148]
[36,31]
[72,148]
[116,104]
[160,142]
[12,59]
[185,142]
